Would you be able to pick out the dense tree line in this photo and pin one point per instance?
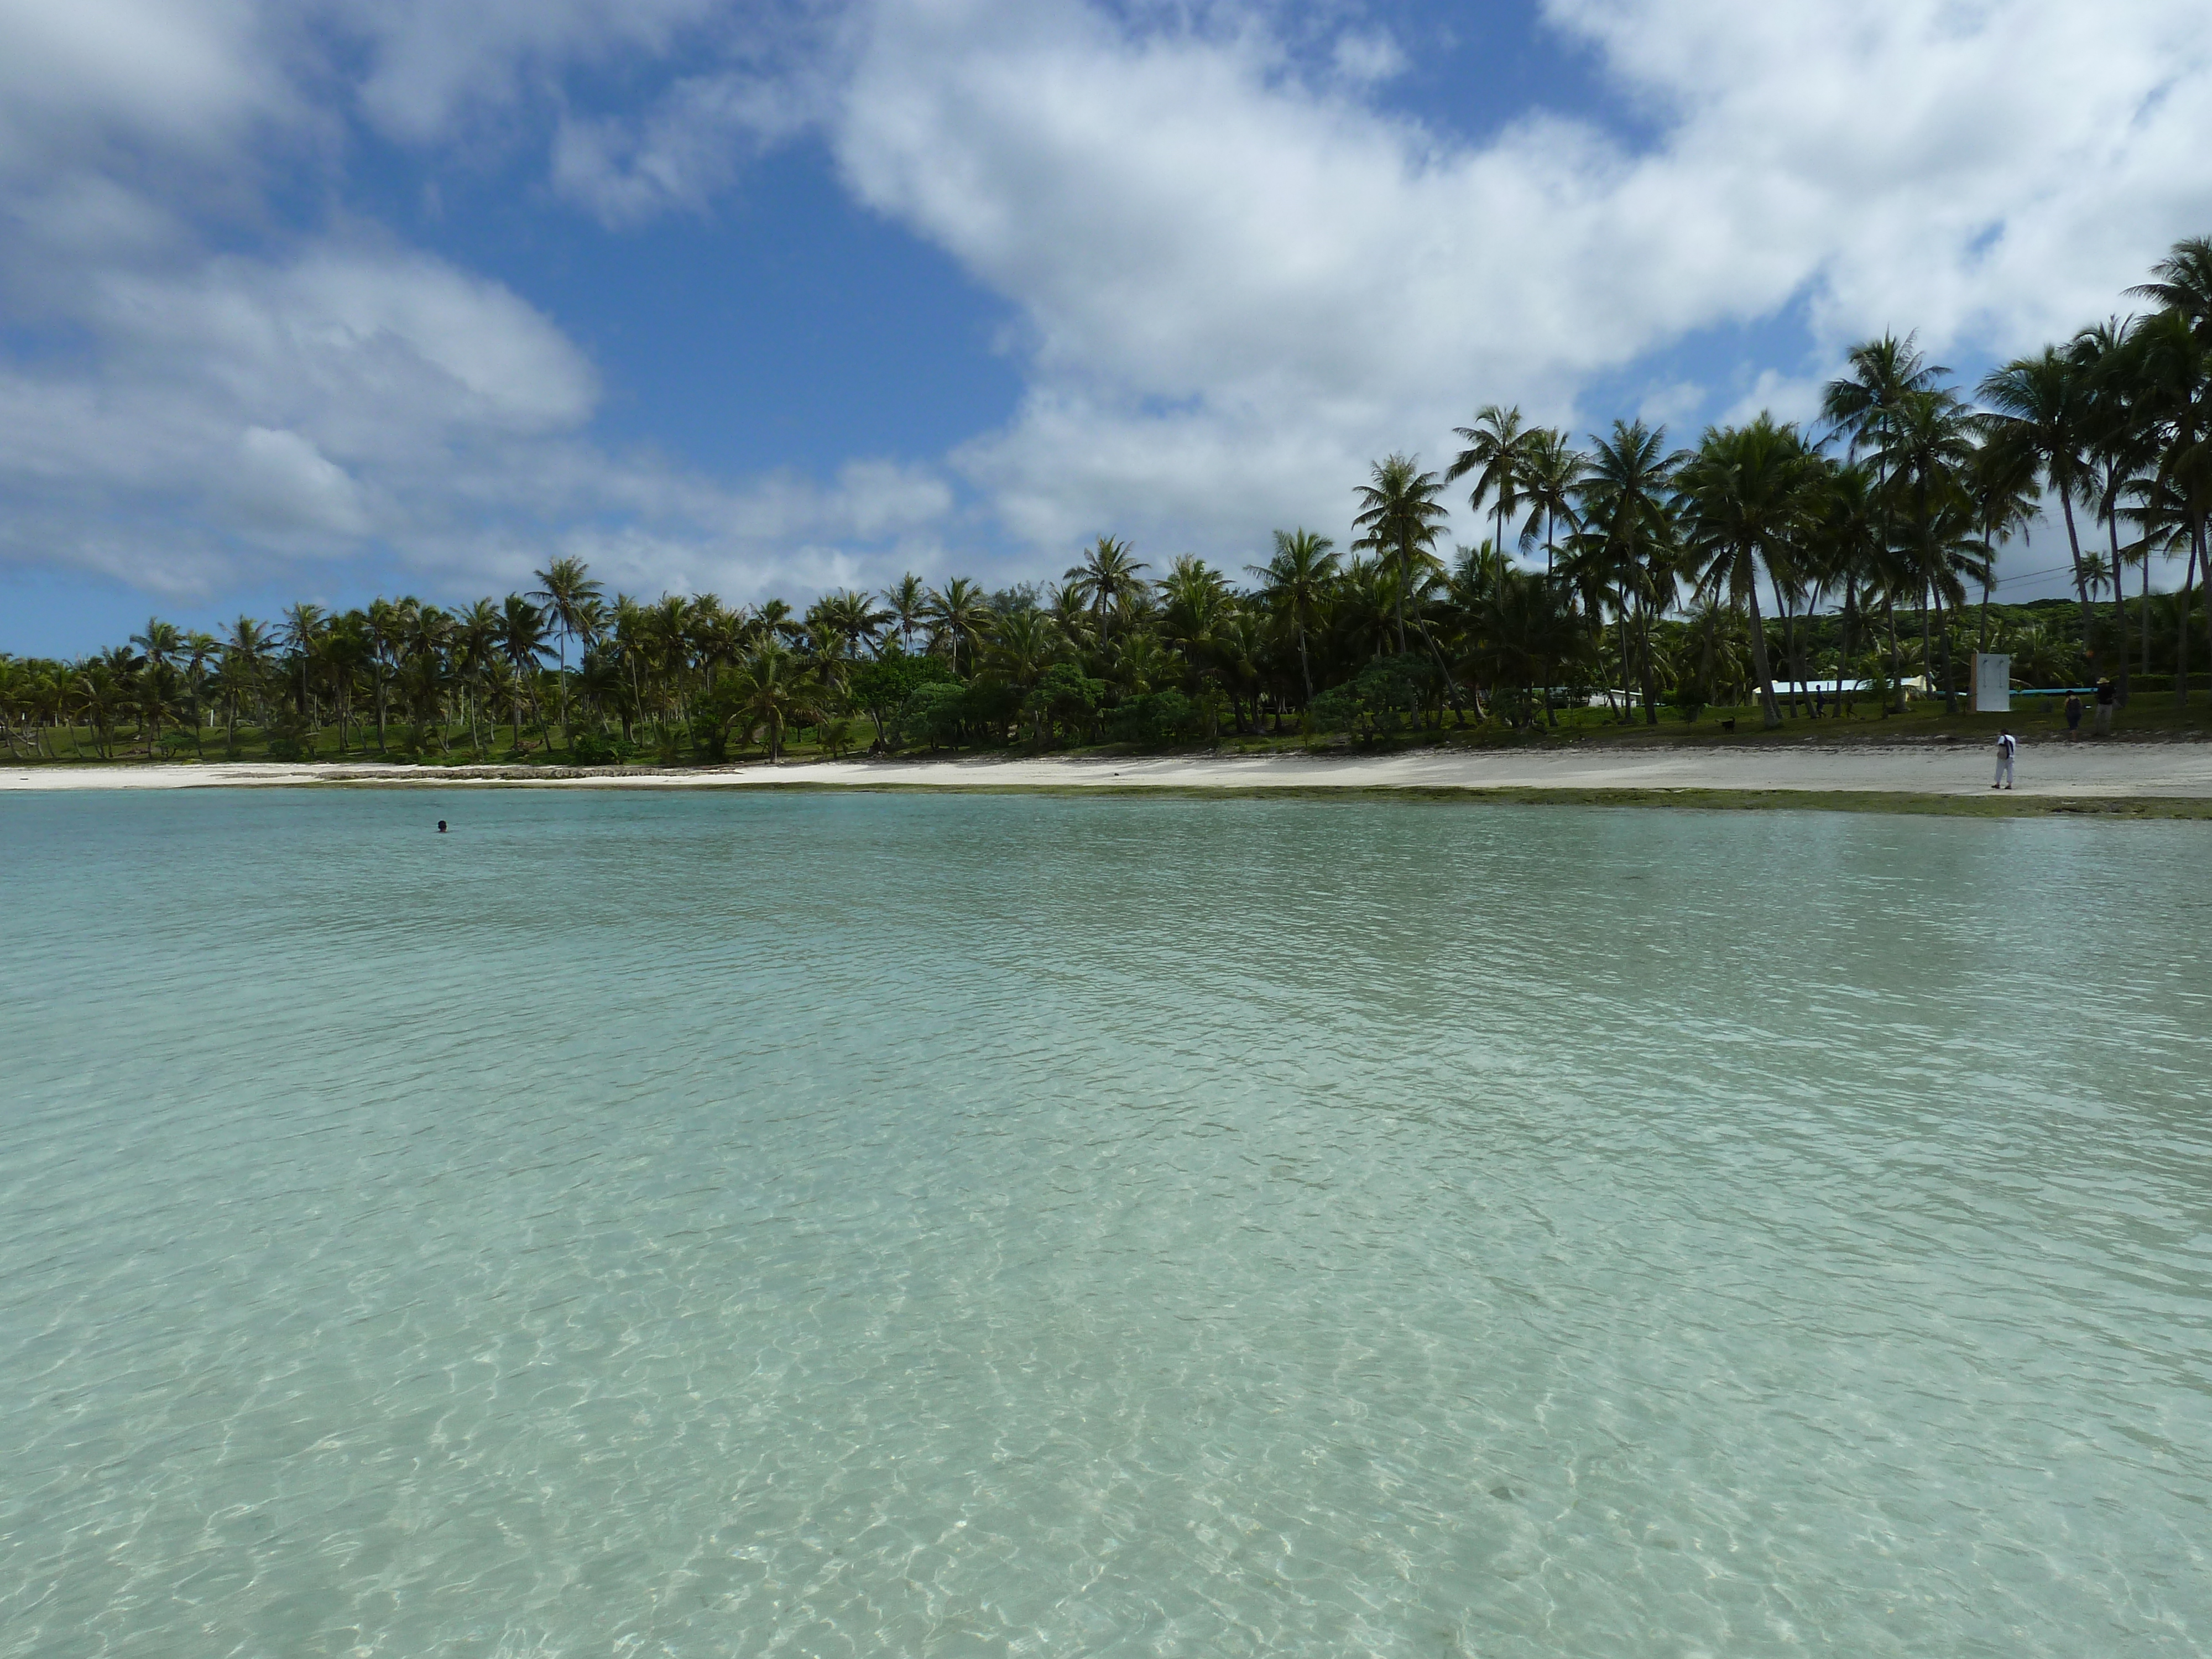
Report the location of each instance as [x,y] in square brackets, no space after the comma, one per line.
[1750,569]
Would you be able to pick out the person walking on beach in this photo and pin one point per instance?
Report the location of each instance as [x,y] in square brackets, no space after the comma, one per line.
[2106,696]
[2008,746]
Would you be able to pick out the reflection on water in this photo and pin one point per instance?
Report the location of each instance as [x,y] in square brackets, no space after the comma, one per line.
[830,1224]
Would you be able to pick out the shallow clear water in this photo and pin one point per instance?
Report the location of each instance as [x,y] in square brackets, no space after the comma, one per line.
[820,1223]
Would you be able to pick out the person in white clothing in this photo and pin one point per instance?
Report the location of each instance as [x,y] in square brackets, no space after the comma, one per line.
[2008,746]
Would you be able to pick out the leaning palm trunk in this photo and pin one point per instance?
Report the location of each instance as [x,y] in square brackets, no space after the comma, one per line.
[1768,712]
[2120,604]
[1648,669]
[2080,575]
[1943,641]
[1896,662]
[1459,710]
[1789,611]
[2181,638]
[2143,606]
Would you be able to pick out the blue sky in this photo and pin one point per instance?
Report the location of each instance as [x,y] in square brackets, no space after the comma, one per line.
[317,301]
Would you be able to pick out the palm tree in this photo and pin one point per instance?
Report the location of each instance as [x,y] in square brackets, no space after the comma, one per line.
[99,694]
[1106,575]
[2183,285]
[244,663]
[201,652]
[1862,405]
[1551,472]
[906,603]
[1195,607]
[1883,372]
[2123,447]
[848,620]
[345,649]
[1625,499]
[475,645]
[959,615]
[2005,501]
[1023,646]
[1927,450]
[1745,491]
[1527,629]
[1497,452]
[2041,412]
[522,642]
[571,598]
[160,643]
[2170,356]
[1295,583]
[766,693]
[302,634]
[1401,518]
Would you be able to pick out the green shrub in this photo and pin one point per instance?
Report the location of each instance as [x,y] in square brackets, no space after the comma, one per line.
[596,749]
[1156,718]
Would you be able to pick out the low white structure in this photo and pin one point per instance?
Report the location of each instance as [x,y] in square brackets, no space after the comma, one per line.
[1992,683]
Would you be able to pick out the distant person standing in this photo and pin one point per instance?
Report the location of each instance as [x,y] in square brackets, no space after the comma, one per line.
[2106,697]
[2008,746]
[2073,713]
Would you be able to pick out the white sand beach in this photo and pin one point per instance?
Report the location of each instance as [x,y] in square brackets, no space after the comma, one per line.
[2171,769]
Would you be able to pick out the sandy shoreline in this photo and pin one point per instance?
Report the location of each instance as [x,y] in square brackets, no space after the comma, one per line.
[2180,771]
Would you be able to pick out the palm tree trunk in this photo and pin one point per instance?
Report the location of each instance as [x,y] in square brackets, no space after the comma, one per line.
[1927,647]
[2080,578]
[1789,638]
[567,740]
[1620,629]
[1896,667]
[2120,604]
[1769,714]
[2143,604]
[1944,638]
[2189,585]
[1843,651]
[1405,581]
[1647,669]
[2181,635]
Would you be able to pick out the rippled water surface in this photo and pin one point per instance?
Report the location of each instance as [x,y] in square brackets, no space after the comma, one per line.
[819,1224]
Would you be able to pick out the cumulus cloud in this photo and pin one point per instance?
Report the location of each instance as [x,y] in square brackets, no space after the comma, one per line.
[685,150]
[191,419]
[242,413]
[1236,282]
[1239,270]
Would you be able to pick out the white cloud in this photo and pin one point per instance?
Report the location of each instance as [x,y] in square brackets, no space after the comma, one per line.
[433,65]
[187,74]
[243,413]
[1238,279]
[1367,56]
[1235,281]
[215,417]
[684,151]
[283,480]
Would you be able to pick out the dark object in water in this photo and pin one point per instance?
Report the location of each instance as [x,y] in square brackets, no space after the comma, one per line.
[441,826]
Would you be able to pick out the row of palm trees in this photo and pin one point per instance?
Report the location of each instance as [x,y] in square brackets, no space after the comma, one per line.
[1623,564]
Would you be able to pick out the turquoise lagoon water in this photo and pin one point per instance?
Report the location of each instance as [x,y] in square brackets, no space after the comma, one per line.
[824,1225]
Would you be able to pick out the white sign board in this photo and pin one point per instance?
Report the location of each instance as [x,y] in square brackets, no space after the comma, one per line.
[1992,683]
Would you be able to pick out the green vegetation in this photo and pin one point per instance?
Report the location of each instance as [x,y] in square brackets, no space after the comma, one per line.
[1767,577]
